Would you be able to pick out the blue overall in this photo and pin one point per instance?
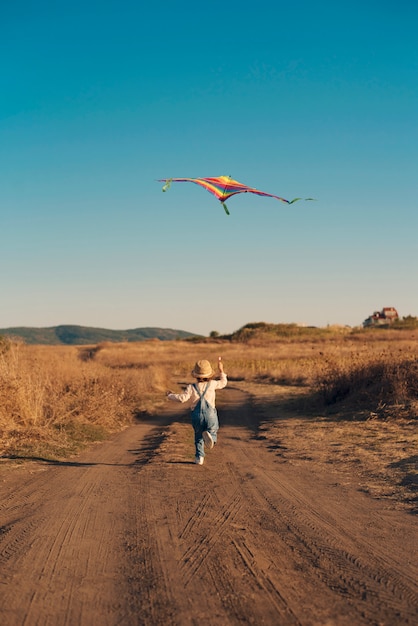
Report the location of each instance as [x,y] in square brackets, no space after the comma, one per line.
[204,417]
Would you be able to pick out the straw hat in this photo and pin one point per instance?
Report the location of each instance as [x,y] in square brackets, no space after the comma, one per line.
[202,369]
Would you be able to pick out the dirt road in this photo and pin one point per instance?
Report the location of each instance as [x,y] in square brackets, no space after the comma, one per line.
[133,533]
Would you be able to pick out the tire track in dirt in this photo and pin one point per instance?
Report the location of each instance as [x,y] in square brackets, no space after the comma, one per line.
[150,597]
[344,567]
[335,550]
[196,555]
[195,516]
[214,585]
[221,530]
[262,536]
[133,532]
[399,585]
[61,555]
[264,581]
[62,548]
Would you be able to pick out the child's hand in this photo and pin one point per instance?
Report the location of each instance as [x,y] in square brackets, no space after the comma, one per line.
[220,364]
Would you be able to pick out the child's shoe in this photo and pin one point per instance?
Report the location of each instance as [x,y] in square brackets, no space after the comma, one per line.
[199,460]
[207,438]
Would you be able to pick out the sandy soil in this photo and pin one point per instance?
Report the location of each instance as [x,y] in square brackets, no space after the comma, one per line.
[131,532]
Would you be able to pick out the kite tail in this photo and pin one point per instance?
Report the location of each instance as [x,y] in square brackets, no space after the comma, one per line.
[168,184]
[296,199]
[225,208]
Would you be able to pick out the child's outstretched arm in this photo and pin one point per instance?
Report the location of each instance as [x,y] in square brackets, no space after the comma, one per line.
[223,380]
[180,397]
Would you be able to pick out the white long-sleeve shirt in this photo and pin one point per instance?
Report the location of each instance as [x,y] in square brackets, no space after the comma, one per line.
[191,394]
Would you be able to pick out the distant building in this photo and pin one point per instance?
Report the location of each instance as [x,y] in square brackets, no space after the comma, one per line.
[386,316]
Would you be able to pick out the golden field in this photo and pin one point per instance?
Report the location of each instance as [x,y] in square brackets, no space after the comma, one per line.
[349,395]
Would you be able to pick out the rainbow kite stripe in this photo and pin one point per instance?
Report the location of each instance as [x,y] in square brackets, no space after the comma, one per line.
[223,187]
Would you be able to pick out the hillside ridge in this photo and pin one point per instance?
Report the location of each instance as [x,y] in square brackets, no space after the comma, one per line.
[72,334]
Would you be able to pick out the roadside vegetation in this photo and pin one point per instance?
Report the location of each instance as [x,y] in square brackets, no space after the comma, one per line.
[55,399]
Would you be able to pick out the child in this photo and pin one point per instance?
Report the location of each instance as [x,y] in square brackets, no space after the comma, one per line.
[202,396]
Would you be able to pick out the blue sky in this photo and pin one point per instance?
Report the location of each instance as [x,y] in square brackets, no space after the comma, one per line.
[101,99]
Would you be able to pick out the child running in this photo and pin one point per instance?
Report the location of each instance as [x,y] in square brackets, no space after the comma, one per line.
[204,414]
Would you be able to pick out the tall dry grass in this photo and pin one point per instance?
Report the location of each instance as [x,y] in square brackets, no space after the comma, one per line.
[385,385]
[55,398]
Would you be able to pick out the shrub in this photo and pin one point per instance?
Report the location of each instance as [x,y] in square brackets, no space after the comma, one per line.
[379,384]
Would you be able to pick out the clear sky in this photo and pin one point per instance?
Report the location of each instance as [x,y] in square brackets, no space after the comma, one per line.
[99,99]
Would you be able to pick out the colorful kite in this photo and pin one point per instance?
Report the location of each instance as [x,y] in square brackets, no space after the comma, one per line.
[223,187]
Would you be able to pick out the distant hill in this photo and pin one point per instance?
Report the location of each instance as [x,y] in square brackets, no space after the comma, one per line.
[262,331]
[85,335]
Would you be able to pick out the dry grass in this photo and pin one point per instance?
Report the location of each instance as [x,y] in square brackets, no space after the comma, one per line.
[381,385]
[54,399]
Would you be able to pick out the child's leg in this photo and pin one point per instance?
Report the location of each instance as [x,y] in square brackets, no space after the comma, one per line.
[198,439]
[212,424]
